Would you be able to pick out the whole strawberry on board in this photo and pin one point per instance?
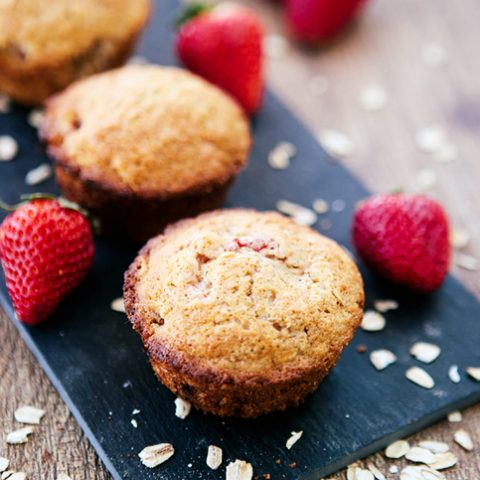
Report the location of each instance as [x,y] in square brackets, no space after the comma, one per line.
[313,21]
[405,238]
[223,44]
[46,249]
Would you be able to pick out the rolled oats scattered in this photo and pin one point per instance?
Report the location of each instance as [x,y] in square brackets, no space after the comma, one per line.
[274,46]
[134,423]
[135,411]
[459,238]
[214,457]
[397,449]
[426,179]
[363,474]
[455,417]
[382,358]
[434,446]
[118,305]
[373,321]
[8,148]
[467,262]
[336,144]
[376,472]
[318,85]
[420,455]
[393,469]
[420,377]
[39,174]
[384,306]
[154,455]
[239,470]
[320,206]
[35,117]
[373,97]
[443,461]
[293,439]
[421,472]
[7,474]
[3,464]
[434,55]
[425,352]
[474,372]
[27,414]
[182,408]
[280,155]
[298,213]
[431,139]
[19,436]
[5,103]
[463,438]
[454,374]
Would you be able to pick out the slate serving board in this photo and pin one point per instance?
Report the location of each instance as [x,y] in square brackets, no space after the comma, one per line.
[97,364]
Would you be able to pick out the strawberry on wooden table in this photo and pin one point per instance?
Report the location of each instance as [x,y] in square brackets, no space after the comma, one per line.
[223,44]
[405,238]
[312,21]
[46,249]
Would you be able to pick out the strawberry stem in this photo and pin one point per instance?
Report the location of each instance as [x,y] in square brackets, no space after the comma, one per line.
[191,11]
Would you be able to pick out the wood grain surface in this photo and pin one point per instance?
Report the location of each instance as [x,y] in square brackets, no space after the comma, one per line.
[384,47]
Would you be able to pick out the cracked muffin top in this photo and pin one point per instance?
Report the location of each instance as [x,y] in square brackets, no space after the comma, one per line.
[156,131]
[38,32]
[245,293]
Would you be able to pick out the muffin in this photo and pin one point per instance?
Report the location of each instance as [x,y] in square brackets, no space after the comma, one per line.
[143,146]
[243,313]
[47,44]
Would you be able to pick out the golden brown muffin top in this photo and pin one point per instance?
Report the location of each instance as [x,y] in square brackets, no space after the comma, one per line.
[152,130]
[245,293]
[41,32]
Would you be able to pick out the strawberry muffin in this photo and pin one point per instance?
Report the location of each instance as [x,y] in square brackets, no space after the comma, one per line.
[243,313]
[143,146]
[47,44]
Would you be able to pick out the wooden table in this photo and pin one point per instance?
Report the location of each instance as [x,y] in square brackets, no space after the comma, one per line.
[384,47]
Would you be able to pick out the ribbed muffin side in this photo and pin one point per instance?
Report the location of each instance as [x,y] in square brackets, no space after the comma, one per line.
[242,369]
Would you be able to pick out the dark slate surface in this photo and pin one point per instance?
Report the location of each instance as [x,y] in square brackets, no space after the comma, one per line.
[97,364]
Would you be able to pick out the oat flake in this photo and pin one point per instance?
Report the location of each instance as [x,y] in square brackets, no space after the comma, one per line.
[434,447]
[336,144]
[27,414]
[7,474]
[373,98]
[420,473]
[118,305]
[393,469]
[295,437]
[274,46]
[373,321]
[426,179]
[444,460]
[182,408]
[3,464]
[431,139]
[474,372]
[455,417]
[239,470]
[425,352]
[39,174]
[382,358]
[134,423]
[453,374]
[463,438]
[19,436]
[8,148]
[384,306]
[63,476]
[420,377]
[420,455]
[154,455]
[17,476]
[320,206]
[397,449]
[376,472]
[35,117]
[459,238]
[467,262]
[300,214]
[214,457]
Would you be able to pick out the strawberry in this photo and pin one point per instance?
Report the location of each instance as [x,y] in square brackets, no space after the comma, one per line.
[46,249]
[224,45]
[405,238]
[312,21]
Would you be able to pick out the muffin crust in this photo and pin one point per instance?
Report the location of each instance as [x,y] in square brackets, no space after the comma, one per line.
[159,142]
[46,45]
[243,313]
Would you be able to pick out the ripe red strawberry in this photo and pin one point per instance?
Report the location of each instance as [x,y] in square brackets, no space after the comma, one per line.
[45,250]
[405,238]
[224,45]
[315,20]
